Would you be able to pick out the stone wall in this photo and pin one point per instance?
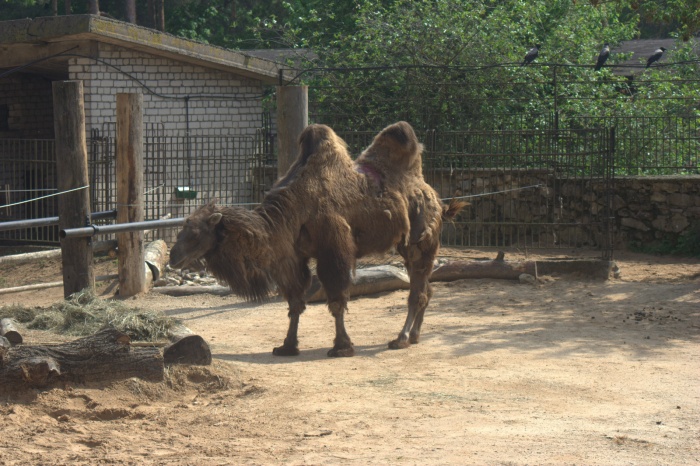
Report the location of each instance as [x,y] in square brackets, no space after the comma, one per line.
[539,208]
[651,210]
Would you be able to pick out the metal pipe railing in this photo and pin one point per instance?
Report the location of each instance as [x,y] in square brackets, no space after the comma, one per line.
[48,221]
[93,230]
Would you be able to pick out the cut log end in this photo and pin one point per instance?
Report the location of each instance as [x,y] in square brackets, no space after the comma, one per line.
[10,332]
[190,349]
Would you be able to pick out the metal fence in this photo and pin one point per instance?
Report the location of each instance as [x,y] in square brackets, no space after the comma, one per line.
[527,189]
[182,172]
[667,145]
[28,171]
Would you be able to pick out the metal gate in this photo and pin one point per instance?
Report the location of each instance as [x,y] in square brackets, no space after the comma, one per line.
[527,188]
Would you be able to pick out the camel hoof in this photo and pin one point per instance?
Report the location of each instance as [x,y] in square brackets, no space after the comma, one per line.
[285,351]
[399,344]
[414,339]
[341,352]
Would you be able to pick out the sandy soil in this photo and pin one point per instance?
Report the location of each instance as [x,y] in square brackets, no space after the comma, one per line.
[567,371]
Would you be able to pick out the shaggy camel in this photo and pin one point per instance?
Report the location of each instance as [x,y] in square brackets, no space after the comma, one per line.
[334,210]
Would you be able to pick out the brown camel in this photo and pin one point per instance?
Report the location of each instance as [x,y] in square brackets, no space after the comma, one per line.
[334,210]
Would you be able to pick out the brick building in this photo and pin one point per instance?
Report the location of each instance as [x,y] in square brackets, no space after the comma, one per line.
[203,109]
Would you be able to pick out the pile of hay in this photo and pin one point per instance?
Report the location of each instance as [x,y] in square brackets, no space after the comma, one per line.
[84,314]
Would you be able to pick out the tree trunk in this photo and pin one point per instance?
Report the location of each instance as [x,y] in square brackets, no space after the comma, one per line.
[151,16]
[104,356]
[9,331]
[160,15]
[130,11]
[94,7]
[67,6]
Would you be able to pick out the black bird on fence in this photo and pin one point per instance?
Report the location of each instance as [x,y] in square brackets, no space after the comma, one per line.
[656,56]
[603,57]
[531,55]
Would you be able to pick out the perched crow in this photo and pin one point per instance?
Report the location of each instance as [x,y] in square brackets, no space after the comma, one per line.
[603,57]
[656,56]
[531,55]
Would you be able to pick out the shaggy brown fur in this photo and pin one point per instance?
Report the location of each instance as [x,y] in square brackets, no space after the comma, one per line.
[334,210]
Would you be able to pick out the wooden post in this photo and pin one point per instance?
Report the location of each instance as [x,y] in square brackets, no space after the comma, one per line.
[130,198]
[292,118]
[72,173]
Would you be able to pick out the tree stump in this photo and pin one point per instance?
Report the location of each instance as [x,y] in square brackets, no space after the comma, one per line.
[104,356]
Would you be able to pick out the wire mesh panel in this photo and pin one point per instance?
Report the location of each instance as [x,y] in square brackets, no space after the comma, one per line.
[182,172]
[28,171]
[527,189]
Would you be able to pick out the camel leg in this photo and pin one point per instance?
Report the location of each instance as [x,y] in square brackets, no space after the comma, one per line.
[290,347]
[414,336]
[297,305]
[334,274]
[419,265]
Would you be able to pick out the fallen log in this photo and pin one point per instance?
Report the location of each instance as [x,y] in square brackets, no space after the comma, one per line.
[105,356]
[590,268]
[10,332]
[42,286]
[189,290]
[497,269]
[382,278]
[156,256]
[186,348]
[365,281]
[17,259]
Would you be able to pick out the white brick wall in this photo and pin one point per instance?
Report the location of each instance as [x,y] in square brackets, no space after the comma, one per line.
[238,113]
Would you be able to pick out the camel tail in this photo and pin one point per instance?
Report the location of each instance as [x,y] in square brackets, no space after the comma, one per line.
[450,211]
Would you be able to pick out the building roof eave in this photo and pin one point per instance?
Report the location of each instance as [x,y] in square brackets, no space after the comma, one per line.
[90,27]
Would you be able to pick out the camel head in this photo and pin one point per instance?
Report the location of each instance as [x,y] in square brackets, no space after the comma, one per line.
[234,243]
[395,147]
[197,238]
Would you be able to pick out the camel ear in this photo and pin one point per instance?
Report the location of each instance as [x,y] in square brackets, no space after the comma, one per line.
[214,219]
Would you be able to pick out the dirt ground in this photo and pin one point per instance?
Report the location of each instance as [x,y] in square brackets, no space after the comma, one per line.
[566,371]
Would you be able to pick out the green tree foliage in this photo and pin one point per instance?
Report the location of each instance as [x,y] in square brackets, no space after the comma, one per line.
[459,60]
